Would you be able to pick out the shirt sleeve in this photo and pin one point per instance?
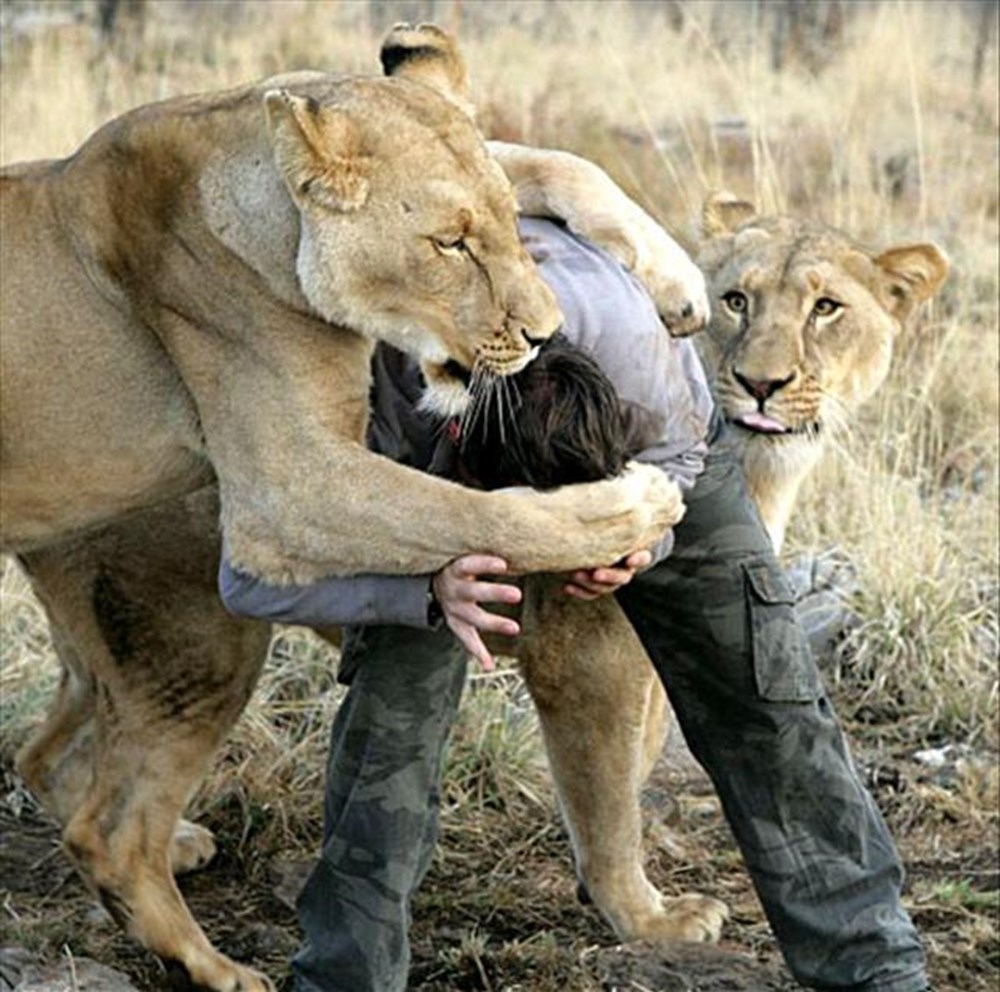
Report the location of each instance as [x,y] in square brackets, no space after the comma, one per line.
[659,379]
[336,601]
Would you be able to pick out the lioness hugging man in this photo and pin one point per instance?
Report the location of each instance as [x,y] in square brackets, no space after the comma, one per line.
[191,300]
[713,615]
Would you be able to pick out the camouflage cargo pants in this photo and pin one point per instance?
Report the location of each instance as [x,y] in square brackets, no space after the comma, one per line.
[717,620]
[380,813]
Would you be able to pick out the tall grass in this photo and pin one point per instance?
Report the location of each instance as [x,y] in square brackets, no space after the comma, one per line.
[881,127]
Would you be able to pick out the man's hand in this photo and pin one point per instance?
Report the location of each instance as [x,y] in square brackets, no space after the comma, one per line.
[459,592]
[592,583]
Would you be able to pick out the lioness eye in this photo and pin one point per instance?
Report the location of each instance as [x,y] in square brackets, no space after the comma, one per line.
[735,301]
[825,307]
[451,244]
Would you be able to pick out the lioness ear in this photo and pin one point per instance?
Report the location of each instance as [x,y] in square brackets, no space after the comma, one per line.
[914,273]
[317,150]
[428,55]
[722,213]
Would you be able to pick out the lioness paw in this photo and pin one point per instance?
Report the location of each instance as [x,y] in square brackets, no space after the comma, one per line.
[693,918]
[651,488]
[677,288]
[191,848]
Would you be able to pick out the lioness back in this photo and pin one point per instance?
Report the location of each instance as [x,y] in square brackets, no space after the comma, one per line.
[89,394]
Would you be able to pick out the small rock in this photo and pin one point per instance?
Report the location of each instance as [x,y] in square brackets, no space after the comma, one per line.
[947,764]
[289,878]
[13,963]
[21,971]
[682,967]
[935,757]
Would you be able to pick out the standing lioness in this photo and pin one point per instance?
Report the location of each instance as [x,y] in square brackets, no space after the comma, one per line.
[192,297]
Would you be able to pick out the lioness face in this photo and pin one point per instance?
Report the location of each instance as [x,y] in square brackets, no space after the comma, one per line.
[408,230]
[804,322]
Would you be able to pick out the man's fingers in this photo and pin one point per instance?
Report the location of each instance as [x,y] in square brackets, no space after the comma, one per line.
[483,620]
[639,560]
[602,579]
[478,565]
[611,576]
[490,592]
[473,643]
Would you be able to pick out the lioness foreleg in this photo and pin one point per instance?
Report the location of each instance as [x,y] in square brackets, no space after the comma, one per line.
[603,711]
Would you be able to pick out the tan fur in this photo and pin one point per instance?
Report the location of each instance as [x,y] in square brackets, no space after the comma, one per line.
[174,303]
[190,299]
[604,717]
[826,364]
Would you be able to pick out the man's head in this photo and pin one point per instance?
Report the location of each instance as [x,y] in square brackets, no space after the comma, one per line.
[557,422]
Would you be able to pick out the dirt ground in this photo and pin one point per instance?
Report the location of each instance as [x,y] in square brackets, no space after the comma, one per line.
[499,912]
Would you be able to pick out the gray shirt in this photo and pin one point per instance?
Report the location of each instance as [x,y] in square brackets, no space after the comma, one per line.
[608,314]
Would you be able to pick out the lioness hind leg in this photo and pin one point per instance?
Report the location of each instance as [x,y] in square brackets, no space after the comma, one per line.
[602,714]
[121,837]
[171,672]
[56,762]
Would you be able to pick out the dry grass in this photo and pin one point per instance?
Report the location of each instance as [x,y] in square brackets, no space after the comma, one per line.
[879,127]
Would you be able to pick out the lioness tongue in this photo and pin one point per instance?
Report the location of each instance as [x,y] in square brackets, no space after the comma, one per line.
[761,422]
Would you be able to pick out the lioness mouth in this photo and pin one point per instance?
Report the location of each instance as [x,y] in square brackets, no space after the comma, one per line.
[761,423]
[458,371]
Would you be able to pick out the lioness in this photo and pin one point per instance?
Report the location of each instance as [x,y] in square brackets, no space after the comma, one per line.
[804,317]
[193,296]
[802,332]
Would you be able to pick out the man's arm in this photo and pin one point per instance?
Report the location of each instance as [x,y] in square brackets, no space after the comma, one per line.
[330,602]
[457,591]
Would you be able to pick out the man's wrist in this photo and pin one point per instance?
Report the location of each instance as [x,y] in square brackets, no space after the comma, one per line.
[435,615]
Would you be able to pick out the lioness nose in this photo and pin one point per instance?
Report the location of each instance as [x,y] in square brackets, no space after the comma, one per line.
[762,389]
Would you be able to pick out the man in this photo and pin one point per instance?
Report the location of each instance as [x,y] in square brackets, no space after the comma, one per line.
[714,613]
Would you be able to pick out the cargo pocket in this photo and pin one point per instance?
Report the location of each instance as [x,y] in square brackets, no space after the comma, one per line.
[783,667]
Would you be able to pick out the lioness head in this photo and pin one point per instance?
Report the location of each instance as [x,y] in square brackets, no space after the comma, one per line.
[804,318]
[407,228]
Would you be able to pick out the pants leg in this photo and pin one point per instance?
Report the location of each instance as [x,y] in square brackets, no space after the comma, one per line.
[380,821]
[717,620]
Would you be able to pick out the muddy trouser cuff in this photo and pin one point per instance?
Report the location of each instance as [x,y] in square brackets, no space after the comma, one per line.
[381,810]
[718,622]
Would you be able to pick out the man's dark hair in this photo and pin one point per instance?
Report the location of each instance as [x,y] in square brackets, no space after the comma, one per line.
[561,423]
